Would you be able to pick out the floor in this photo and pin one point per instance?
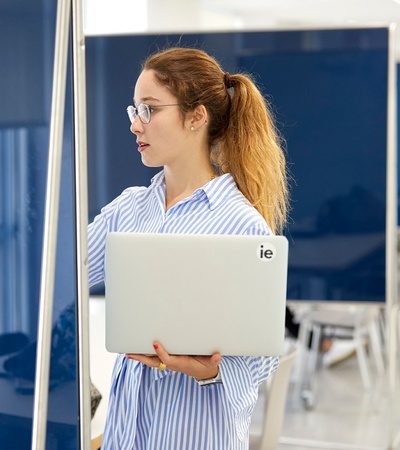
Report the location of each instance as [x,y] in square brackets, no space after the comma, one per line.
[340,414]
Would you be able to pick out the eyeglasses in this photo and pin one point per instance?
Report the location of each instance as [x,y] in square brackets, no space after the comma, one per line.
[144,111]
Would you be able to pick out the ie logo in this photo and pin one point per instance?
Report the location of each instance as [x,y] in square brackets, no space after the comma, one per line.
[266,252]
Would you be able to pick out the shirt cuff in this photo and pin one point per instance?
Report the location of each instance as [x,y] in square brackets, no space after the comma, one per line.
[208,381]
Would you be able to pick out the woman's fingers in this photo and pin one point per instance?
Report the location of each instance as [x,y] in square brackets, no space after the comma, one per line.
[209,361]
[148,360]
[200,367]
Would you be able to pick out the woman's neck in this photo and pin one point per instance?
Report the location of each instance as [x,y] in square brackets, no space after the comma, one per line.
[182,184]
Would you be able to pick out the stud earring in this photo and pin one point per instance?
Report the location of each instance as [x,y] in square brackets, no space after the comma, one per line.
[192,128]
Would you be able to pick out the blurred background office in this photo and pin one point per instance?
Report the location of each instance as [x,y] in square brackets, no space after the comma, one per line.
[329,67]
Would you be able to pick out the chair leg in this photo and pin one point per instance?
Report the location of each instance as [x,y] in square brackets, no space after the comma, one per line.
[315,345]
[376,347]
[301,363]
[308,393]
[307,362]
[362,359]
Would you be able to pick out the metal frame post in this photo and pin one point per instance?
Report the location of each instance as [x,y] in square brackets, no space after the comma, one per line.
[40,406]
[64,10]
[81,218]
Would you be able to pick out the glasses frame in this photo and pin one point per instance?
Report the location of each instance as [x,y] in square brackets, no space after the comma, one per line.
[143,110]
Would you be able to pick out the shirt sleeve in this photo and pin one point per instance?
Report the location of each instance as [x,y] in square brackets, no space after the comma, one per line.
[241,377]
[108,220]
[97,233]
[259,228]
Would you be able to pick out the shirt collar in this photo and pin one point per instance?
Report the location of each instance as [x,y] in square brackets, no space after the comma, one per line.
[216,190]
[158,180]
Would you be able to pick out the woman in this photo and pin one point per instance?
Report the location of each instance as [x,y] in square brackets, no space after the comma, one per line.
[223,172]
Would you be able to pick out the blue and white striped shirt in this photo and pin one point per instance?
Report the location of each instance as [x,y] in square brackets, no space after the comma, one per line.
[165,410]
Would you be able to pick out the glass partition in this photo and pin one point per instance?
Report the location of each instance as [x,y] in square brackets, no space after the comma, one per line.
[334,124]
[27,35]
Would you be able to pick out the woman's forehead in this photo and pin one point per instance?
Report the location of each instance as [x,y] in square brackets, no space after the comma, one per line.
[147,89]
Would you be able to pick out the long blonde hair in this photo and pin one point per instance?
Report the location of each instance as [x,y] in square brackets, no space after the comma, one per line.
[242,135]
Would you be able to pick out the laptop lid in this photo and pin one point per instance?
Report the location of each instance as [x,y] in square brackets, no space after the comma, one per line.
[196,294]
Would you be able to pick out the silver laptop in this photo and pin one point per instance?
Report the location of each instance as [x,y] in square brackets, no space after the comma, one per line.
[195,294]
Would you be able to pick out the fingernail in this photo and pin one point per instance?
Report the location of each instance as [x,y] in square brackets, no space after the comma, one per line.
[155,346]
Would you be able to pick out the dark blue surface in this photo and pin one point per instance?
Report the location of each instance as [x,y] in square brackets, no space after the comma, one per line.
[328,91]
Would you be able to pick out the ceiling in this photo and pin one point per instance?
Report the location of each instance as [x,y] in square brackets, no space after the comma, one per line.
[288,14]
[301,12]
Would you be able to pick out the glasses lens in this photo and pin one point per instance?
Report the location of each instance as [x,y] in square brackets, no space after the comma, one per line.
[144,112]
[131,113]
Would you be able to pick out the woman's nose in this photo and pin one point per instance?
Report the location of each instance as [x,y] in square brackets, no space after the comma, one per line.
[136,126]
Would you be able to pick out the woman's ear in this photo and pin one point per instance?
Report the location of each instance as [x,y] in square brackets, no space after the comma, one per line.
[197,118]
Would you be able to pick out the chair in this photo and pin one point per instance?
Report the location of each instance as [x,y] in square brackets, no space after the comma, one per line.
[274,406]
[362,325]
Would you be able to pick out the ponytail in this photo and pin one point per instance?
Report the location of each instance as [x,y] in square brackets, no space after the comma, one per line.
[251,150]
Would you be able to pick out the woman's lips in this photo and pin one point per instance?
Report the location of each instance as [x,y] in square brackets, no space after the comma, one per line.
[142,146]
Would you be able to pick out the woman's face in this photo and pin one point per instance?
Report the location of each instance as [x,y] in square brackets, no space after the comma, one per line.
[164,140]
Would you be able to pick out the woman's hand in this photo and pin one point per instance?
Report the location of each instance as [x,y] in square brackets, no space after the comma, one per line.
[199,367]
